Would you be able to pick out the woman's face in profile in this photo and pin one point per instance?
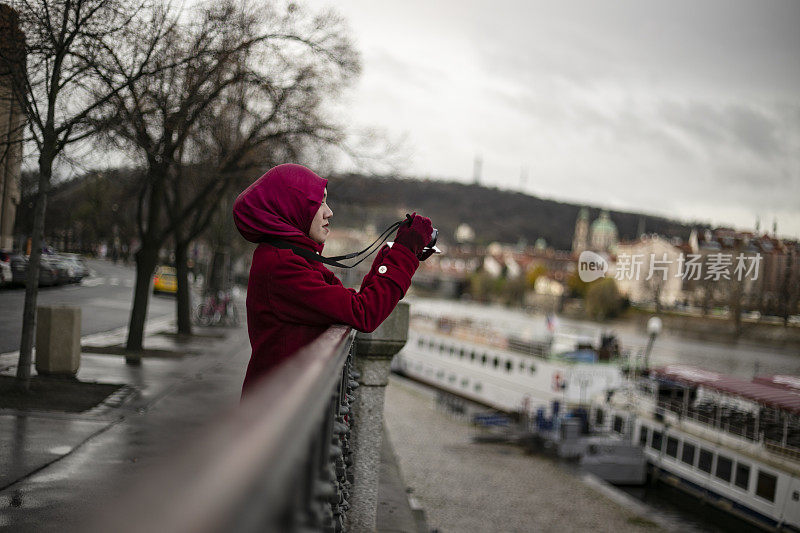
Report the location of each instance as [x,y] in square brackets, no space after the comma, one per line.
[319,226]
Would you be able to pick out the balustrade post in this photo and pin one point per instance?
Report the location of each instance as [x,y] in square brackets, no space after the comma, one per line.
[373,355]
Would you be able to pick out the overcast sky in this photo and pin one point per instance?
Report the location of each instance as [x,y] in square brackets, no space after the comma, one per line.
[685,109]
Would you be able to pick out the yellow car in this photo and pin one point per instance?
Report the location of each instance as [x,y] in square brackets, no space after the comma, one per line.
[165,280]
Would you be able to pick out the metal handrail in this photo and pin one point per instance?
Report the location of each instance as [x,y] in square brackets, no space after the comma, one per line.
[276,463]
[750,430]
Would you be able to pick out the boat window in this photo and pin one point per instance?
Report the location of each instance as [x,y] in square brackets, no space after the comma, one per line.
[496,362]
[441,348]
[461,353]
[724,468]
[451,378]
[508,365]
[765,486]
[478,387]
[643,436]
[742,476]
[522,365]
[706,458]
[483,359]
[420,342]
[465,382]
[452,350]
[430,344]
[619,424]
[687,456]
[657,440]
[599,417]
[472,355]
[439,374]
[672,447]
[533,369]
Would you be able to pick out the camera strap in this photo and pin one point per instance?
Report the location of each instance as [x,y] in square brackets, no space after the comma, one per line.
[334,261]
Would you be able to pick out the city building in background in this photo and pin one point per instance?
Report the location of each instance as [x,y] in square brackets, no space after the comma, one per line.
[11,126]
[580,241]
[656,277]
[601,236]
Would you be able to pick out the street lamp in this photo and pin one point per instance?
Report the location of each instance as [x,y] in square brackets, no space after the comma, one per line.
[654,326]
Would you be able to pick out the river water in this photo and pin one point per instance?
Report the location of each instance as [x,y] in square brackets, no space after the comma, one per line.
[739,358]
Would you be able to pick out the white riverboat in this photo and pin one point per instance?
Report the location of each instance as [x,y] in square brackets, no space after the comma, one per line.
[732,442]
[507,372]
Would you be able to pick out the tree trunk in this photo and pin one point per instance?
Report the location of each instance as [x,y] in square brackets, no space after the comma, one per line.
[183,298]
[706,298]
[32,283]
[658,299]
[736,307]
[218,276]
[146,259]
[785,294]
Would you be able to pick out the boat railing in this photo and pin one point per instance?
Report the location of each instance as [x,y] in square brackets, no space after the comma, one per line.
[779,434]
[530,347]
[778,448]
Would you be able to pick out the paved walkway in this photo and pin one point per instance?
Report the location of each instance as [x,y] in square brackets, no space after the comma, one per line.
[61,460]
[464,486]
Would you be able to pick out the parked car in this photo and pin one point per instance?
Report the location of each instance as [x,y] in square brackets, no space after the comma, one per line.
[63,268]
[165,280]
[6,277]
[19,269]
[49,271]
[69,269]
[79,267]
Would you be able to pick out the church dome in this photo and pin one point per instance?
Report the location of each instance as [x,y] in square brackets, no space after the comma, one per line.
[604,232]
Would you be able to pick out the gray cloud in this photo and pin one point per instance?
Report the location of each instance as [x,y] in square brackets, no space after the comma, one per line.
[680,106]
[738,126]
[394,67]
[721,46]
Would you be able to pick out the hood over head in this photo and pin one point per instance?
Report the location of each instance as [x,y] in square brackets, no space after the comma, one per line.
[281,203]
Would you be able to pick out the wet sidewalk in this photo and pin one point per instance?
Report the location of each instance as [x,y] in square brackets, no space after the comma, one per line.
[53,463]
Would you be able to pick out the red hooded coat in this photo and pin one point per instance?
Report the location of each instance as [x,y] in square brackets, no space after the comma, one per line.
[290,300]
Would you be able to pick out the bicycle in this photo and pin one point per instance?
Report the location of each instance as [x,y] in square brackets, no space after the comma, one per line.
[217,309]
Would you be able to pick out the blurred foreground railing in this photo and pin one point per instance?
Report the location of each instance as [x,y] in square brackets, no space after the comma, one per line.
[280,462]
[292,457]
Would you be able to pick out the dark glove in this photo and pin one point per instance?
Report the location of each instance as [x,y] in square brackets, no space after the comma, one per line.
[416,234]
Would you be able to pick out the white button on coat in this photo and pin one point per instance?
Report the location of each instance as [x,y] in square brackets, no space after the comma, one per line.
[382,269]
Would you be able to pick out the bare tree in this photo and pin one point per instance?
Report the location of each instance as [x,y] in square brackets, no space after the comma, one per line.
[223,47]
[55,86]
[275,113]
[654,287]
[152,118]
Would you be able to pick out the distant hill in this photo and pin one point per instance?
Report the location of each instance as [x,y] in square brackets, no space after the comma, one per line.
[494,215]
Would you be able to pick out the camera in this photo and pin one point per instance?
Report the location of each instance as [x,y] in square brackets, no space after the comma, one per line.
[430,248]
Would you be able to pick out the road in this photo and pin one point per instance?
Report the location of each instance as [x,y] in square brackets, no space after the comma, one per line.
[105,298]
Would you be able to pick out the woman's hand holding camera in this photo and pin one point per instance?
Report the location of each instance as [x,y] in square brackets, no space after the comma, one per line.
[415,234]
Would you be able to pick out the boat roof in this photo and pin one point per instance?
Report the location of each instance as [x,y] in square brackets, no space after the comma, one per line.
[783,381]
[770,395]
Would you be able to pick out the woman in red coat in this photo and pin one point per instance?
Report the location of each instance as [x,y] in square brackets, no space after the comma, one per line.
[292,300]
